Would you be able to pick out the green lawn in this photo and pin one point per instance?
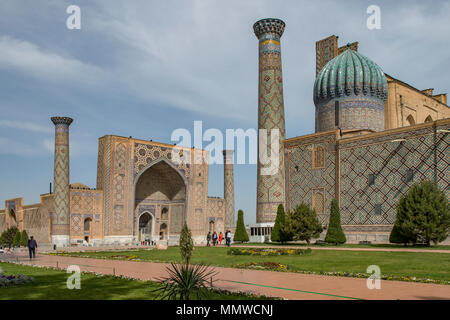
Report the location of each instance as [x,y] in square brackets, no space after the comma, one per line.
[51,285]
[422,265]
[373,246]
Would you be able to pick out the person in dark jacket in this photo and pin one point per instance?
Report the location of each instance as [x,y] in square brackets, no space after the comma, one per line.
[32,245]
[208,239]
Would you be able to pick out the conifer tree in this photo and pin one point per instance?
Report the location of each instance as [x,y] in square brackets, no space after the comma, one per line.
[277,233]
[302,224]
[240,234]
[397,237]
[335,234]
[17,238]
[423,214]
[24,238]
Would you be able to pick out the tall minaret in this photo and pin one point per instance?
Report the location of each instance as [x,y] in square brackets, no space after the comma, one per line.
[271,188]
[60,229]
[228,188]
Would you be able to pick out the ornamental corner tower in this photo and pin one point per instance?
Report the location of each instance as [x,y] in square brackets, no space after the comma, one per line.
[228,188]
[60,223]
[270,181]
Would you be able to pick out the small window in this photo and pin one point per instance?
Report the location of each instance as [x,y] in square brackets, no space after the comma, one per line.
[378,209]
[318,202]
[371,179]
[87,224]
[318,157]
[409,175]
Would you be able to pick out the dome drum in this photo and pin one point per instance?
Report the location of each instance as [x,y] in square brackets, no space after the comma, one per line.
[352,88]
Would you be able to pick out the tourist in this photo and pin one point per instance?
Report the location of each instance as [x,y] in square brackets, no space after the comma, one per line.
[32,245]
[214,237]
[208,239]
[228,237]
[220,237]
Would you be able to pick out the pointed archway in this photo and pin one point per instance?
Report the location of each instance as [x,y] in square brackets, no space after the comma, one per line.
[161,190]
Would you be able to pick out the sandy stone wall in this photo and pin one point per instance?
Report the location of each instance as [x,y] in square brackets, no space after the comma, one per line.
[406,103]
[86,204]
[37,223]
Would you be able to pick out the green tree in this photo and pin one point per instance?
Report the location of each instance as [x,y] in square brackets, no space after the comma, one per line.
[240,234]
[335,234]
[277,233]
[24,238]
[17,237]
[7,237]
[423,214]
[397,237]
[302,224]
[186,244]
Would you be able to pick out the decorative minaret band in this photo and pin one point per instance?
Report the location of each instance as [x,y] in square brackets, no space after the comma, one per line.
[228,188]
[60,218]
[270,187]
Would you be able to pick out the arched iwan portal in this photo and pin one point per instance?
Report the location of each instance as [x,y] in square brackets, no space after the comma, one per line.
[161,191]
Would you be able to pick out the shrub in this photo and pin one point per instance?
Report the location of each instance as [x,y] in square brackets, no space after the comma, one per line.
[240,233]
[423,214]
[302,224]
[397,237]
[17,238]
[334,232]
[24,239]
[184,281]
[186,244]
[7,237]
[277,234]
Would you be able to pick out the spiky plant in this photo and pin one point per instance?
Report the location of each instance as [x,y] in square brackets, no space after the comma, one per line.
[185,281]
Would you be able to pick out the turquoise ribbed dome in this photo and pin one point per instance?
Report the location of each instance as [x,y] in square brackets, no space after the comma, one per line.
[350,74]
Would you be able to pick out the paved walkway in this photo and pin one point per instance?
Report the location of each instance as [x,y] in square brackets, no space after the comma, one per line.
[291,286]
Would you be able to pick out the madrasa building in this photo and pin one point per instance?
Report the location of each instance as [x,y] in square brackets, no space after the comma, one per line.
[374,137]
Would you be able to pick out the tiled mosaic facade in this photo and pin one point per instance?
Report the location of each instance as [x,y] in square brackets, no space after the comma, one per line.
[310,178]
[375,170]
[367,174]
[228,188]
[270,187]
[355,113]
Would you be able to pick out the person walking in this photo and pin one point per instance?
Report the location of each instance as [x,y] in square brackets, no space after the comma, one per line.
[228,238]
[32,245]
[208,239]
[220,237]
[214,237]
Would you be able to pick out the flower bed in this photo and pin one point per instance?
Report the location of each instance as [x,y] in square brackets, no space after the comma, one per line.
[267,251]
[382,277]
[271,266]
[11,280]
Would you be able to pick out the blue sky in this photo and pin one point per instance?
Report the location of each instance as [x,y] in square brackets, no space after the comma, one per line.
[146,68]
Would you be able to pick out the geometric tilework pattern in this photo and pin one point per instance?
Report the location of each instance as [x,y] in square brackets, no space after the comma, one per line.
[228,188]
[303,180]
[270,188]
[145,154]
[389,161]
[60,219]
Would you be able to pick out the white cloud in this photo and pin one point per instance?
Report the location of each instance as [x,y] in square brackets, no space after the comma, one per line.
[25,125]
[29,59]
